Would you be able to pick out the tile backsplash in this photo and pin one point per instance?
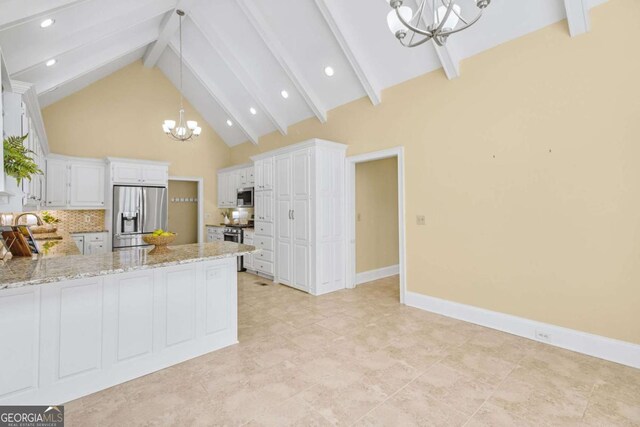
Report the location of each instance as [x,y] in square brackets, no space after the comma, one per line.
[70,221]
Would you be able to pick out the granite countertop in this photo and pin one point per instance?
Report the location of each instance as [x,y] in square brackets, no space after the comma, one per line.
[88,232]
[53,245]
[42,269]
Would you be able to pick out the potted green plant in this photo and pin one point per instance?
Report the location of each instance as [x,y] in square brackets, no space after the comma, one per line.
[18,160]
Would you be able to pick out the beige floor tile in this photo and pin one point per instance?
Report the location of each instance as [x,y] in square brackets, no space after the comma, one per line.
[482,365]
[344,405]
[293,412]
[458,389]
[490,415]
[412,406]
[358,355]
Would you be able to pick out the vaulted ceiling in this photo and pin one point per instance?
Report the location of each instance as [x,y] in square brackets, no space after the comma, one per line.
[241,54]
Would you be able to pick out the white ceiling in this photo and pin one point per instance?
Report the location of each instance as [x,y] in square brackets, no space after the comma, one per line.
[243,53]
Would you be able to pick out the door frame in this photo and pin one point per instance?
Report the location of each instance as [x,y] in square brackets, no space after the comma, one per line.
[351,162]
[200,182]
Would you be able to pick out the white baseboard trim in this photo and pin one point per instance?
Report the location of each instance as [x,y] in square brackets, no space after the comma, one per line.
[380,273]
[622,352]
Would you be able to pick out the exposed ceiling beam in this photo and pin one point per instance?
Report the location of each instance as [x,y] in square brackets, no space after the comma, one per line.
[169,28]
[216,93]
[365,75]
[142,41]
[22,11]
[280,54]
[232,62]
[446,54]
[577,16]
[80,40]
[450,62]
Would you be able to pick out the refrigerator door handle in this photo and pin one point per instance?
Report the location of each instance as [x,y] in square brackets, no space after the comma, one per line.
[143,213]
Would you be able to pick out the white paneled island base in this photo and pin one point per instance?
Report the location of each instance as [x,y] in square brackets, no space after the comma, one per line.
[60,341]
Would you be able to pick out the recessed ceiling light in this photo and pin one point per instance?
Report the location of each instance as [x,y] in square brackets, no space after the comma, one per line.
[51,63]
[329,71]
[47,23]
[284,94]
[229,123]
[253,111]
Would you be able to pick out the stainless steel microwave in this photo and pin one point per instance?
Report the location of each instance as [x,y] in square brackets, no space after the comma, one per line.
[245,197]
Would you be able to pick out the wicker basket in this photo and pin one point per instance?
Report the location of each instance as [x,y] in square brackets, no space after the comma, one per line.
[160,242]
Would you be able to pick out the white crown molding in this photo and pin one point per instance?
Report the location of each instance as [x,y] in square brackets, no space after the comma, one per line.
[610,349]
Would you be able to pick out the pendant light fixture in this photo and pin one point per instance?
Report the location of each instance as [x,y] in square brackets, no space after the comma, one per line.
[183,130]
[433,20]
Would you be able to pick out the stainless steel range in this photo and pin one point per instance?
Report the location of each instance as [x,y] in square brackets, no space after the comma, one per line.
[235,233]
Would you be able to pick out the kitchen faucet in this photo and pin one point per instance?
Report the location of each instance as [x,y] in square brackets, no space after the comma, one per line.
[38,219]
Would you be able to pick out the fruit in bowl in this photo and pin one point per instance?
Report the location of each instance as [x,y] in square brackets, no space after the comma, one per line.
[160,239]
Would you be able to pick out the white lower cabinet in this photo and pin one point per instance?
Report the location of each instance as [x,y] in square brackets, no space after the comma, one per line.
[248,260]
[91,243]
[215,234]
[61,341]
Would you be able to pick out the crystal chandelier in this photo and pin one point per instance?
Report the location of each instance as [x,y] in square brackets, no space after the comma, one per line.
[185,130]
[446,19]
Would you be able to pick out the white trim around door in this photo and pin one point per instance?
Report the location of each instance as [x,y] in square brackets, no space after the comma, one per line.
[397,152]
[200,182]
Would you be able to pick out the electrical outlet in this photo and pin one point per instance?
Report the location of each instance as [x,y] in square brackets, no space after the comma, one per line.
[421,220]
[542,335]
[359,218]
[87,219]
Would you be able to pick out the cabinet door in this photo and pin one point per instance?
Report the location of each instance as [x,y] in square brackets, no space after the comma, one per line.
[258,175]
[57,183]
[87,185]
[155,175]
[126,173]
[94,248]
[79,241]
[268,173]
[251,179]
[242,178]
[267,206]
[258,206]
[222,190]
[232,189]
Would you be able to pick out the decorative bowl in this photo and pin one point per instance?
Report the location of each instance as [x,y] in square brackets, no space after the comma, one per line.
[160,242]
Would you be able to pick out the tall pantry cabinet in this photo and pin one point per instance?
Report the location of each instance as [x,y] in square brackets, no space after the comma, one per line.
[308,206]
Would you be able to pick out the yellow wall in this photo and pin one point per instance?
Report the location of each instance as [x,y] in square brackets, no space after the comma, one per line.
[377,214]
[183,216]
[121,116]
[527,170]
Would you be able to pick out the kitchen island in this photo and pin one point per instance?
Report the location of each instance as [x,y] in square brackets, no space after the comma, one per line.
[74,325]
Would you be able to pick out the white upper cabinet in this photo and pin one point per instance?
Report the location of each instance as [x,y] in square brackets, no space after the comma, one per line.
[57,183]
[143,173]
[74,183]
[126,174]
[229,181]
[264,174]
[87,185]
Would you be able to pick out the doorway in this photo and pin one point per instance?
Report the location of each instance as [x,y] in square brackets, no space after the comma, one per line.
[375,218]
[185,209]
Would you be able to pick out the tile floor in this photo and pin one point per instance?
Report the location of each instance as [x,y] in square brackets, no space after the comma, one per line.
[357,357]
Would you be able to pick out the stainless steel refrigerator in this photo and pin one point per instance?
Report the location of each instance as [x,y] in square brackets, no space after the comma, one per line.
[137,211]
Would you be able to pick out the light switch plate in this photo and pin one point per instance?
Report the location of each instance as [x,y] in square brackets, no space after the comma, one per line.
[421,220]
